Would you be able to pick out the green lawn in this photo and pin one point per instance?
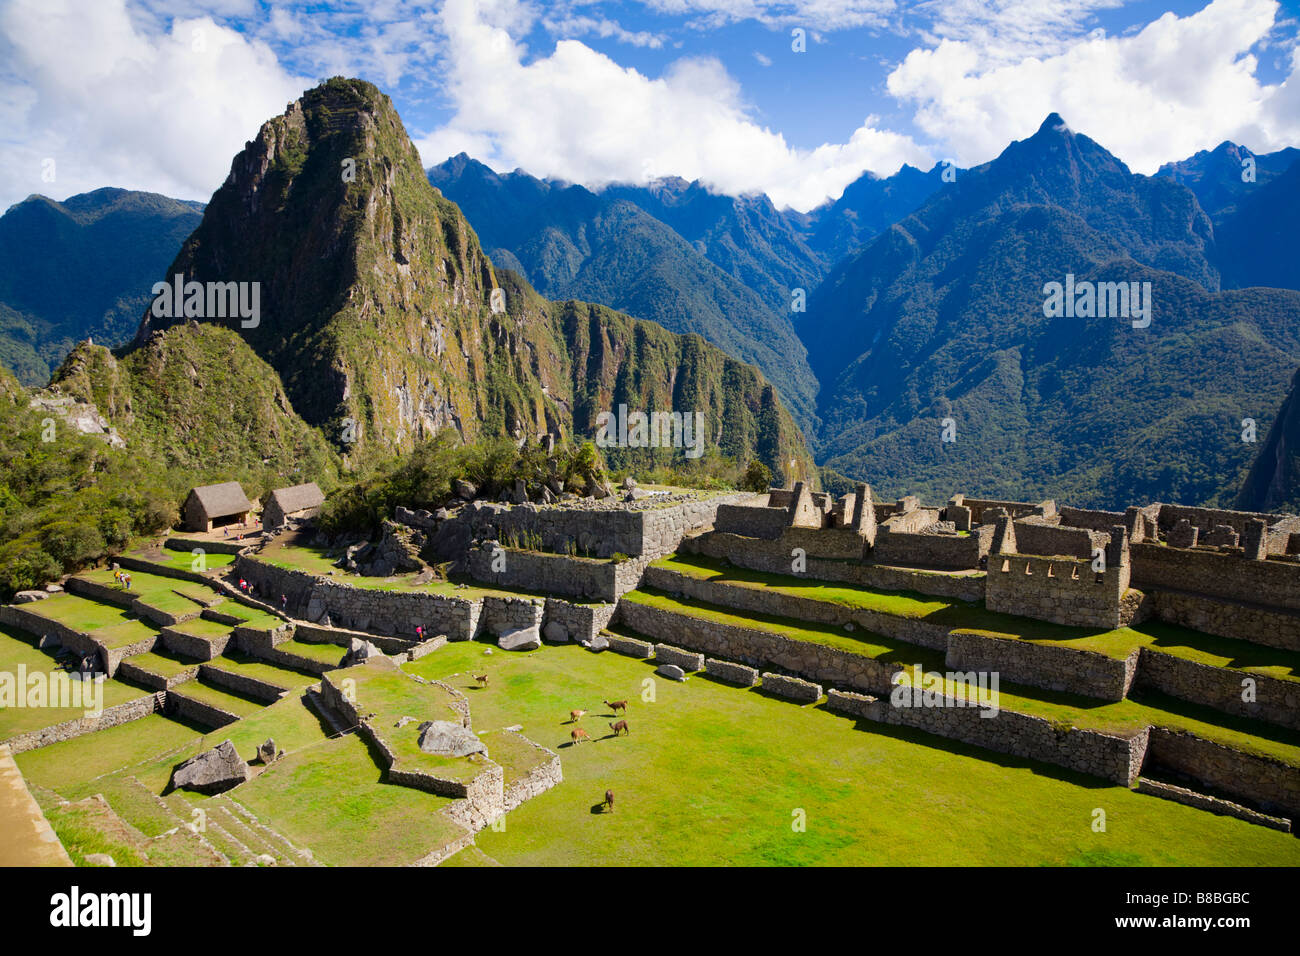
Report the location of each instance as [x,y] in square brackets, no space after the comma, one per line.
[220,698]
[163,664]
[329,654]
[1119,643]
[235,662]
[714,775]
[182,560]
[79,613]
[1067,710]
[203,629]
[70,766]
[15,651]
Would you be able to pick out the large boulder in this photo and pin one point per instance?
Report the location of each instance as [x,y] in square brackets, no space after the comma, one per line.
[267,752]
[463,489]
[556,633]
[26,597]
[215,771]
[520,639]
[446,738]
[671,671]
[358,652]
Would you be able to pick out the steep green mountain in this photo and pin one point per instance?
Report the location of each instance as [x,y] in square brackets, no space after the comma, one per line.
[603,248]
[378,312]
[1215,175]
[1258,242]
[942,317]
[1273,481]
[745,236]
[868,206]
[81,268]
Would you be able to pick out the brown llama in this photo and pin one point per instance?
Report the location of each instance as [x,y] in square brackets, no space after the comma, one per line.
[619,728]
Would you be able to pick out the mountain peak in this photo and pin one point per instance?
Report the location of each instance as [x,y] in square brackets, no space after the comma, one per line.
[1053,124]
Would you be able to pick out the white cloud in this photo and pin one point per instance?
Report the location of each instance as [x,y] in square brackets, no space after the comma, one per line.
[1162,93]
[578,115]
[113,104]
[574,26]
[763,60]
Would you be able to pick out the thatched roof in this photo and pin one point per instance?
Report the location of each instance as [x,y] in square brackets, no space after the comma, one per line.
[223,500]
[297,498]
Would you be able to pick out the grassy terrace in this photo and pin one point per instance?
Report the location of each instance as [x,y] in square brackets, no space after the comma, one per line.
[329,654]
[219,698]
[315,561]
[1156,635]
[79,613]
[15,651]
[162,663]
[181,560]
[203,629]
[1126,716]
[861,642]
[711,775]
[237,663]
[251,616]
[71,767]
[390,694]
[158,591]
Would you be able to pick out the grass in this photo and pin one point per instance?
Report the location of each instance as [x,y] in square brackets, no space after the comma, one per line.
[15,652]
[860,641]
[68,767]
[79,613]
[714,775]
[182,560]
[329,654]
[163,664]
[331,799]
[315,560]
[1118,643]
[1121,717]
[390,694]
[234,662]
[218,697]
[203,629]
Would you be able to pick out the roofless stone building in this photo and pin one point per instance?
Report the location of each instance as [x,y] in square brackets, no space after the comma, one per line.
[211,506]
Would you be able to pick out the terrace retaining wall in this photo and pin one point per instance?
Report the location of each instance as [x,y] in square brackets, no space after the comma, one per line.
[777,604]
[111,717]
[1264,781]
[816,662]
[774,558]
[1109,756]
[1276,701]
[1042,665]
[1247,622]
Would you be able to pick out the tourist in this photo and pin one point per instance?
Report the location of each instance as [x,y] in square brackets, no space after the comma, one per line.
[243,585]
[284,603]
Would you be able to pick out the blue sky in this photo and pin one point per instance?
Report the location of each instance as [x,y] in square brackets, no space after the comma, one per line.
[159,94]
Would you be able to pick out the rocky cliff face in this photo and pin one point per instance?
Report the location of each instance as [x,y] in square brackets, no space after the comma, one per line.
[377,305]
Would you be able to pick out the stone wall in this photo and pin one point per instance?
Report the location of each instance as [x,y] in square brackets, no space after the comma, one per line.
[1246,622]
[110,717]
[137,675]
[1042,665]
[770,556]
[631,646]
[777,604]
[582,621]
[541,778]
[587,578]
[932,550]
[1089,519]
[1017,509]
[242,684]
[751,521]
[792,688]
[737,674]
[1060,590]
[687,660]
[758,648]
[1201,801]
[1036,536]
[829,543]
[1109,756]
[75,641]
[199,648]
[179,704]
[395,613]
[1216,574]
[501,614]
[1262,781]
[600,532]
[1276,701]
